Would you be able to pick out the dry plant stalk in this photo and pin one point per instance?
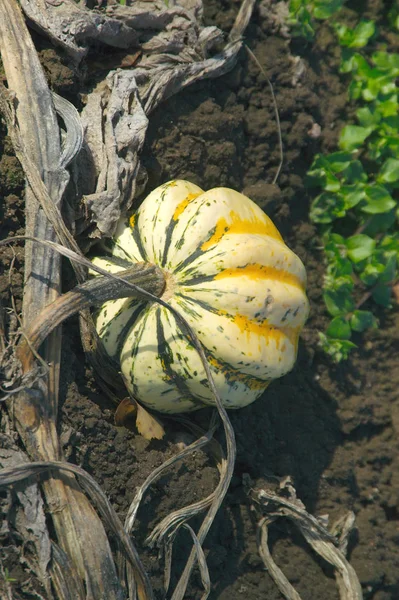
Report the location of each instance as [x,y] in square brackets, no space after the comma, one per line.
[80,533]
[21,472]
[330,545]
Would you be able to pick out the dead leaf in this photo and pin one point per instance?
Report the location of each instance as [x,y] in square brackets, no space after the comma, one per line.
[126,409]
[147,425]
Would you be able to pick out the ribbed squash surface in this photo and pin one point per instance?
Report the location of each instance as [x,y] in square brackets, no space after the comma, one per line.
[230,275]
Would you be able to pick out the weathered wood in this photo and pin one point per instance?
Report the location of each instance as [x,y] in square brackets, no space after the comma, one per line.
[20,472]
[73,27]
[79,531]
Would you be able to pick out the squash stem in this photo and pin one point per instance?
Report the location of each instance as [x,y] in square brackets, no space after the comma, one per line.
[94,292]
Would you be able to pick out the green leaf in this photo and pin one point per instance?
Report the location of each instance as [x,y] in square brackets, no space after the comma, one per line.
[357,37]
[355,89]
[372,83]
[335,239]
[378,147]
[358,64]
[339,329]
[379,223]
[352,195]
[390,243]
[341,267]
[338,302]
[371,273]
[390,269]
[362,320]
[367,117]
[344,34]
[378,200]
[381,268]
[337,349]
[363,69]
[322,178]
[326,8]
[353,136]
[382,295]
[387,62]
[295,5]
[348,61]
[338,161]
[389,172]
[300,19]
[327,207]
[323,169]
[354,173]
[387,86]
[359,247]
[389,126]
[362,33]
[388,108]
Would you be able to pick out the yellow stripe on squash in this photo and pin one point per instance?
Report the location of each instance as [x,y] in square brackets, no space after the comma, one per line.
[231,277]
[243,226]
[257,272]
[183,204]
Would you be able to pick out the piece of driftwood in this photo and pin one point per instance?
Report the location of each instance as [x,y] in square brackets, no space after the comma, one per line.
[174,52]
[84,296]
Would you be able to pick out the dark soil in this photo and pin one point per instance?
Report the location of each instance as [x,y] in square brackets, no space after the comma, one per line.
[333,429]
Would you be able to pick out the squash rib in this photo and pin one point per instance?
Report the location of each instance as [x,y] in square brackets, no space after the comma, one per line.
[136,235]
[129,325]
[172,224]
[166,357]
[132,352]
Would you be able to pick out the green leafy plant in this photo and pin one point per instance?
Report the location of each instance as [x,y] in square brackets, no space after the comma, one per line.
[356,37]
[357,207]
[302,15]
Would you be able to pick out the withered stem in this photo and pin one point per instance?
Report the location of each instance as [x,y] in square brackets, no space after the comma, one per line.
[94,292]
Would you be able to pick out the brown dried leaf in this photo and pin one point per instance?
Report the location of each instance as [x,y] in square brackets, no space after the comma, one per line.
[148,426]
[126,409]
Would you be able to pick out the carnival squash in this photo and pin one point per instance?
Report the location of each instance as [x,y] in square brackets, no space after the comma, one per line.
[229,274]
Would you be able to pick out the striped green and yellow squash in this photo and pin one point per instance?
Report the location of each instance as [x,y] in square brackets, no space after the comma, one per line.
[230,275]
